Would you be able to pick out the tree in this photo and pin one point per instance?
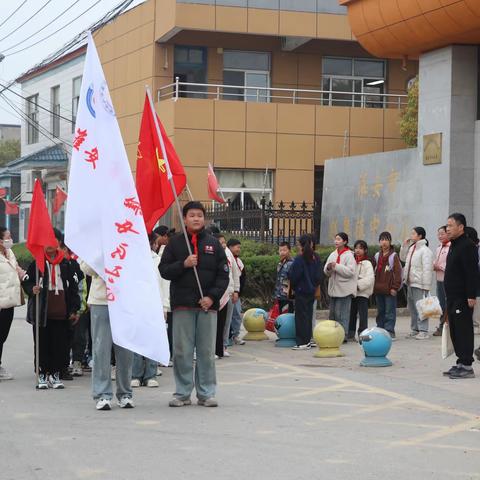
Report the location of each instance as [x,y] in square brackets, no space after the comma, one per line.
[409,119]
[9,150]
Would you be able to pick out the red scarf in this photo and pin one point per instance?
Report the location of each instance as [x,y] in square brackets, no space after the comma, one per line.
[58,258]
[381,260]
[195,243]
[361,259]
[341,252]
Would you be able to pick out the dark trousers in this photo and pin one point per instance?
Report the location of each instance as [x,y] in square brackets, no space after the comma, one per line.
[81,334]
[358,308]
[460,321]
[6,317]
[53,345]
[221,319]
[283,303]
[170,332]
[303,318]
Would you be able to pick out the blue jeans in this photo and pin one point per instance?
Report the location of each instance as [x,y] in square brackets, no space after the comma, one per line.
[442,298]
[236,319]
[102,346]
[386,312]
[194,329]
[228,321]
[340,311]
[143,368]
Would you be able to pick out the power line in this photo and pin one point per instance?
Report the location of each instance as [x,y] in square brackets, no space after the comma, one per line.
[26,21]
[43,28]
[28,99]
[49,135]
[53,33]
[13,13]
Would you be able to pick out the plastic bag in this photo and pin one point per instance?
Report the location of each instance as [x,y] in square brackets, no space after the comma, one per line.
[447,345]
[272,316]
[429,307]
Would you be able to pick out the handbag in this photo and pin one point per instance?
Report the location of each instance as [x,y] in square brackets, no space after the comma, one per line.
[272,316]
[447,344]
[429,307]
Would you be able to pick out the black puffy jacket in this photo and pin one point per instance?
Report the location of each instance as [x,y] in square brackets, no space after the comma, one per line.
[212,269]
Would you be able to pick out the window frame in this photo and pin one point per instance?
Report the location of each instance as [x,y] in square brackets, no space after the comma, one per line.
[33,118]
[55,111]
[75,100]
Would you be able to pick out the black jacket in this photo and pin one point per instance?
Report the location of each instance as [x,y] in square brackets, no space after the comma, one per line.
[461,272]
[70,287]
[212,269]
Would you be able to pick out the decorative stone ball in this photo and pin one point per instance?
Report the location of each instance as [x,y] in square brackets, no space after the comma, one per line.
[328,334]
[376,342]
[285,326]
[254,322]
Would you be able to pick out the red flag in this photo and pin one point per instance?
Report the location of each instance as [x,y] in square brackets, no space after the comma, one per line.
[213,186]
[153,186]
[40,230]
[3,192]
[11,208]
[60,197]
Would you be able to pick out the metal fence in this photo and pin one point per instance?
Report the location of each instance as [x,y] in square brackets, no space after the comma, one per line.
[267,221]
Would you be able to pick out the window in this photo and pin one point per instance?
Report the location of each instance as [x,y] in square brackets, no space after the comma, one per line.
[358,81]
[32,116]
[191,67]
[76,85]
[246,69]
[55,108]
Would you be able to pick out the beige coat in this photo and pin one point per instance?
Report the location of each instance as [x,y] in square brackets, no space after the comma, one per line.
[10,288]
[343,280]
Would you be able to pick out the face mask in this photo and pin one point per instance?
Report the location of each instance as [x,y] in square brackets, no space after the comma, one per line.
[8,243]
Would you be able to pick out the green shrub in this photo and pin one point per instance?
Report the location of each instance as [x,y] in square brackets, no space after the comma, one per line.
[261,276]
[23,255]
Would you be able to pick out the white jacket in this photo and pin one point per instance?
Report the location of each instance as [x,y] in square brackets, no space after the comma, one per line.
[98,289]
[343,280]
[164,284]
[418,269]
[235,272]
[10,288]
[365,279]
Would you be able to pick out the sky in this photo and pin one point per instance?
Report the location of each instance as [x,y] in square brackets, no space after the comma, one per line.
[12,32]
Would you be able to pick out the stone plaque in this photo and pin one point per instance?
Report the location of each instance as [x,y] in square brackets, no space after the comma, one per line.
[432,149]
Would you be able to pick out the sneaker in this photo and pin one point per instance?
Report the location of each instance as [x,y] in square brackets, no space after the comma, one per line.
[126,402]
[4,375]
[313,344]
[55,382]
[226,353]
[217,357]
[208,402]
[477,353]
[438,332]
[462,372]
[450,371]
[159,372]
[178,402]
[103,404]
[238,341]
[152,383]
[66,375]
[412,334]
[42,382]
[113,374]
[302,347]
[135,383]
[422,336]
[77,370]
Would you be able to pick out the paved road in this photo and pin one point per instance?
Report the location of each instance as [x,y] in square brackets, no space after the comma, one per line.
[283,415]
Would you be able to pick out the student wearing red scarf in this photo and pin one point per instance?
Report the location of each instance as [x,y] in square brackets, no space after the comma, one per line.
[59,304]
[365,282]
[341,268]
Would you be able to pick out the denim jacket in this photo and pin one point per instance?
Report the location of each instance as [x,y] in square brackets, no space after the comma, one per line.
[281,285]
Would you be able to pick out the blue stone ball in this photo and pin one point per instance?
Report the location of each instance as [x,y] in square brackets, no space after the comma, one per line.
[376,342]
[285,325]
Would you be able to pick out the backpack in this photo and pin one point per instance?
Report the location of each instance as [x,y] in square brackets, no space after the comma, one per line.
[391,261]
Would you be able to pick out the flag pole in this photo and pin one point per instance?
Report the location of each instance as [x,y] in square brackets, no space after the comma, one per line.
[172,184]
[37,326]
[188,191]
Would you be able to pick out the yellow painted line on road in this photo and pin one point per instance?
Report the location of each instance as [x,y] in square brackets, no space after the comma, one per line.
[313,391]
[255,379]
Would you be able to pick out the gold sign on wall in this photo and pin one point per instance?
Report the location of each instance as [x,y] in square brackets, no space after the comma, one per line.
[432,149]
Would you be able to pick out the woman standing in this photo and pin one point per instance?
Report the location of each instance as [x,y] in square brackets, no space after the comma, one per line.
[305,276]
[10,291]
[418,260]
[341,267]
[388,281]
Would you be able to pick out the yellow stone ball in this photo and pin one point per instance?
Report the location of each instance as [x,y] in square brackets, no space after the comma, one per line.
[328,335]
[254,323]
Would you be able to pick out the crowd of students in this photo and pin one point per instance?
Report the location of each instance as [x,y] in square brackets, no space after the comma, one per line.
[202,323]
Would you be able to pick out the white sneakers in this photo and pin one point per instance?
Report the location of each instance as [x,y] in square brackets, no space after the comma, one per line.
[135,383]
[42,382]
[152,383]
[77,370]
[106,404]
[422,336]
[55,382]
[126,402]
[103,404]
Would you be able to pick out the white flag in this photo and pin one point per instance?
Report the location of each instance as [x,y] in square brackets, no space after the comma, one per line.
[104,224]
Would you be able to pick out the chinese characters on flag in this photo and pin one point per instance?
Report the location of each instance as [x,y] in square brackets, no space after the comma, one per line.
[104,223]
